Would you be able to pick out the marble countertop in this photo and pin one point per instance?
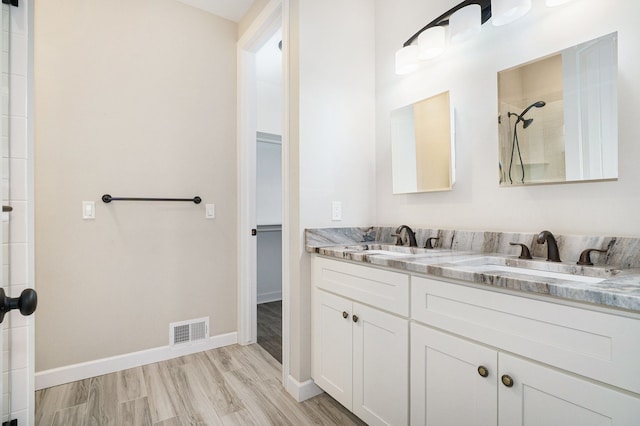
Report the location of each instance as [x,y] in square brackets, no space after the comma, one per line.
[604,285]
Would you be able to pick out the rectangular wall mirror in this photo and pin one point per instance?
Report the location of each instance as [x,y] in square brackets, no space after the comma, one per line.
[558,116]
[422,147]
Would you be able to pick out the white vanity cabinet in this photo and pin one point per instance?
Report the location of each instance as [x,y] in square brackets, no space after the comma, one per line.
[541,395]
[472,369]
[465,355]
[458,382]
[446,388]
[360,339]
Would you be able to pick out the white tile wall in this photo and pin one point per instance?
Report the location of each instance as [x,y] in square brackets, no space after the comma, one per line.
[18,135]
[16,331]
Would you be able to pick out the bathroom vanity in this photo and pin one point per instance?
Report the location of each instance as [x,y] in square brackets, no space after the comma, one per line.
[360,338]
[450,337]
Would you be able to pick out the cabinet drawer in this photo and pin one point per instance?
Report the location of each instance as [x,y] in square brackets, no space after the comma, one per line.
[598,345]
[376,287]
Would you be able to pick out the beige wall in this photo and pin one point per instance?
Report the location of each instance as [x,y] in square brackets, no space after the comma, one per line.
[133,98]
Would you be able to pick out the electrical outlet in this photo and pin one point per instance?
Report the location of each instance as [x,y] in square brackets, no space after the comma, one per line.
[336,210]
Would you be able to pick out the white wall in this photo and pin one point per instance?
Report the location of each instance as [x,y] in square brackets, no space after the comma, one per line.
[470,72]
[269,260]
[269,85]
[269,120]
[268,183]
[269,101]
[269,212]
[336,112]
[336,115]
[330,156]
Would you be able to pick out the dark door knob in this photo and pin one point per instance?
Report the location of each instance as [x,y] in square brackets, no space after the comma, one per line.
[26,303]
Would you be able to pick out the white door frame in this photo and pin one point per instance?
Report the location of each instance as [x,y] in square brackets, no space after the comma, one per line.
[273,16]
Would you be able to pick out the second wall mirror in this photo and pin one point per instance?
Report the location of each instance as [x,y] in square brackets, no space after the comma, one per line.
[558,116]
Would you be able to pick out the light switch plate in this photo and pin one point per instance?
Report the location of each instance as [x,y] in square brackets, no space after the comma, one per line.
[88,210]
[336,210]
[210,211]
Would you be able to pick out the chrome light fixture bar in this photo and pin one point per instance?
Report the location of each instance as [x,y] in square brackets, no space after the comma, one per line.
[463,20]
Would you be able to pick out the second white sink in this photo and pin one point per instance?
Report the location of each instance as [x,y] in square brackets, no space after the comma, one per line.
[489,268]
[387,253]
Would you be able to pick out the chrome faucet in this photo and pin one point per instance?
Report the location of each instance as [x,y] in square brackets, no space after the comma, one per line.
[553,255]
[410,234]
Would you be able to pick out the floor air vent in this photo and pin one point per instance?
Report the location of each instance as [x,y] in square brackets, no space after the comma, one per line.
[188,331]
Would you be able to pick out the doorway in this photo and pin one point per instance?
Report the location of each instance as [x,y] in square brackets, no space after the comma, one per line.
[269,194]
[273,17]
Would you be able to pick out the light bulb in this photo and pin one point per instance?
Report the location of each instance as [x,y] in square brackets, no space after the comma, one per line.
[431,43]
[506,11]
[465,23]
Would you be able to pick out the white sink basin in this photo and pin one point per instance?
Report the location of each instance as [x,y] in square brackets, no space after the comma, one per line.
[387,253]
[494,269]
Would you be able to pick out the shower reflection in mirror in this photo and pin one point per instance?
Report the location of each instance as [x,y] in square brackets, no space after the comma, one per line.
[558,117]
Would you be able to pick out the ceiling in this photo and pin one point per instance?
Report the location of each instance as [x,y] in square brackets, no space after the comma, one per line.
[232,10]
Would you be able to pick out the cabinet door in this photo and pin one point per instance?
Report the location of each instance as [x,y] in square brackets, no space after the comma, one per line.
[542,396]
[446,385]
[332,346]
[380,367]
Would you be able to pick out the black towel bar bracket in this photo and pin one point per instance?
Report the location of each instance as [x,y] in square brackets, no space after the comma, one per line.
[108,198]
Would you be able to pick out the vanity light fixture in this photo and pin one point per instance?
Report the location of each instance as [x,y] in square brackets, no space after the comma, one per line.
[431,43]
[507,11]
[464,21]
[431,38]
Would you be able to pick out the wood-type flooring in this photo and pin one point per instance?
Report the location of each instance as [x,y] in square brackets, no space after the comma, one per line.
[270,328]
[233,385]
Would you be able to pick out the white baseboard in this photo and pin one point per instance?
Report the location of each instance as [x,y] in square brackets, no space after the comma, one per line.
[269,297]
[75,372]
[302,391]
